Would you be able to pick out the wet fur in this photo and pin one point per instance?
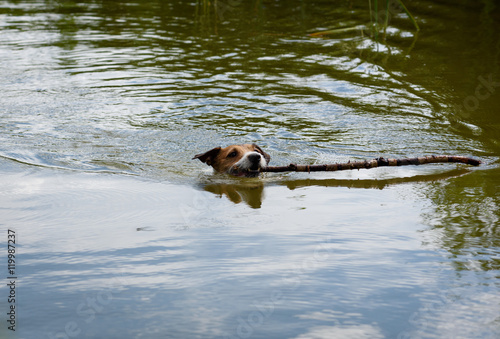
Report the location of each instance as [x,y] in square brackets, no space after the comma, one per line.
[240,160]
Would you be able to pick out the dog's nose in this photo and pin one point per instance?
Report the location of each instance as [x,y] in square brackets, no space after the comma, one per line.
[254,158]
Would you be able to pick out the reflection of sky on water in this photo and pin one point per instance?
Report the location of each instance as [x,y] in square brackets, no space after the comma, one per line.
[123,256]
[103,106]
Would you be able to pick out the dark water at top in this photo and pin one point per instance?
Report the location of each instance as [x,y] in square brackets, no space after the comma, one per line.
[122,235]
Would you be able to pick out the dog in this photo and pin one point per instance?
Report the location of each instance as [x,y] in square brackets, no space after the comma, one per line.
[239,160]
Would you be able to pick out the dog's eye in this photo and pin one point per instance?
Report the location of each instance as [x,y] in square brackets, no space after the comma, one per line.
[232,154]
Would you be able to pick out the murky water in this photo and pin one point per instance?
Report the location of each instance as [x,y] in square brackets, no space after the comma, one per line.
[120,234]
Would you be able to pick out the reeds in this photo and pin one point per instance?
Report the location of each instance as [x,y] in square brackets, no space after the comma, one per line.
[391,7]
[378,19]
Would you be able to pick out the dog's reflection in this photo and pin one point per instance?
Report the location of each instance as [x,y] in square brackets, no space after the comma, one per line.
[251,193]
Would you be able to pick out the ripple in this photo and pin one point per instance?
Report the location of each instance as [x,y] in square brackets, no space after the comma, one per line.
[66,200]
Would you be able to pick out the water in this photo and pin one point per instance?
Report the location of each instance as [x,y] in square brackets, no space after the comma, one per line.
[120,234]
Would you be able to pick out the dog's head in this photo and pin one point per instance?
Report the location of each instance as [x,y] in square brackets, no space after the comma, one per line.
[241,160]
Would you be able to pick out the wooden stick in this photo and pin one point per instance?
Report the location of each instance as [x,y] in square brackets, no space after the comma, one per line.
[379,162]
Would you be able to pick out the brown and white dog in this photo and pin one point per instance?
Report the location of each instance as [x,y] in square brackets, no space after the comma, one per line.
[240,160]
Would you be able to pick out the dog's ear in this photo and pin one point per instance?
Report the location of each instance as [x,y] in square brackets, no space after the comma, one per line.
[209,156]
[266,156]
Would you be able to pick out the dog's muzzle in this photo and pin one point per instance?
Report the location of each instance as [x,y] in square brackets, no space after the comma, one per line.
[248,167]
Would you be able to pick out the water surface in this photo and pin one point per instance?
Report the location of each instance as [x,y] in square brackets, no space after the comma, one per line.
[120,234]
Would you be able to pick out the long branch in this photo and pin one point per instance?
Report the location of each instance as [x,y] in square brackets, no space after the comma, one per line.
[379,162]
